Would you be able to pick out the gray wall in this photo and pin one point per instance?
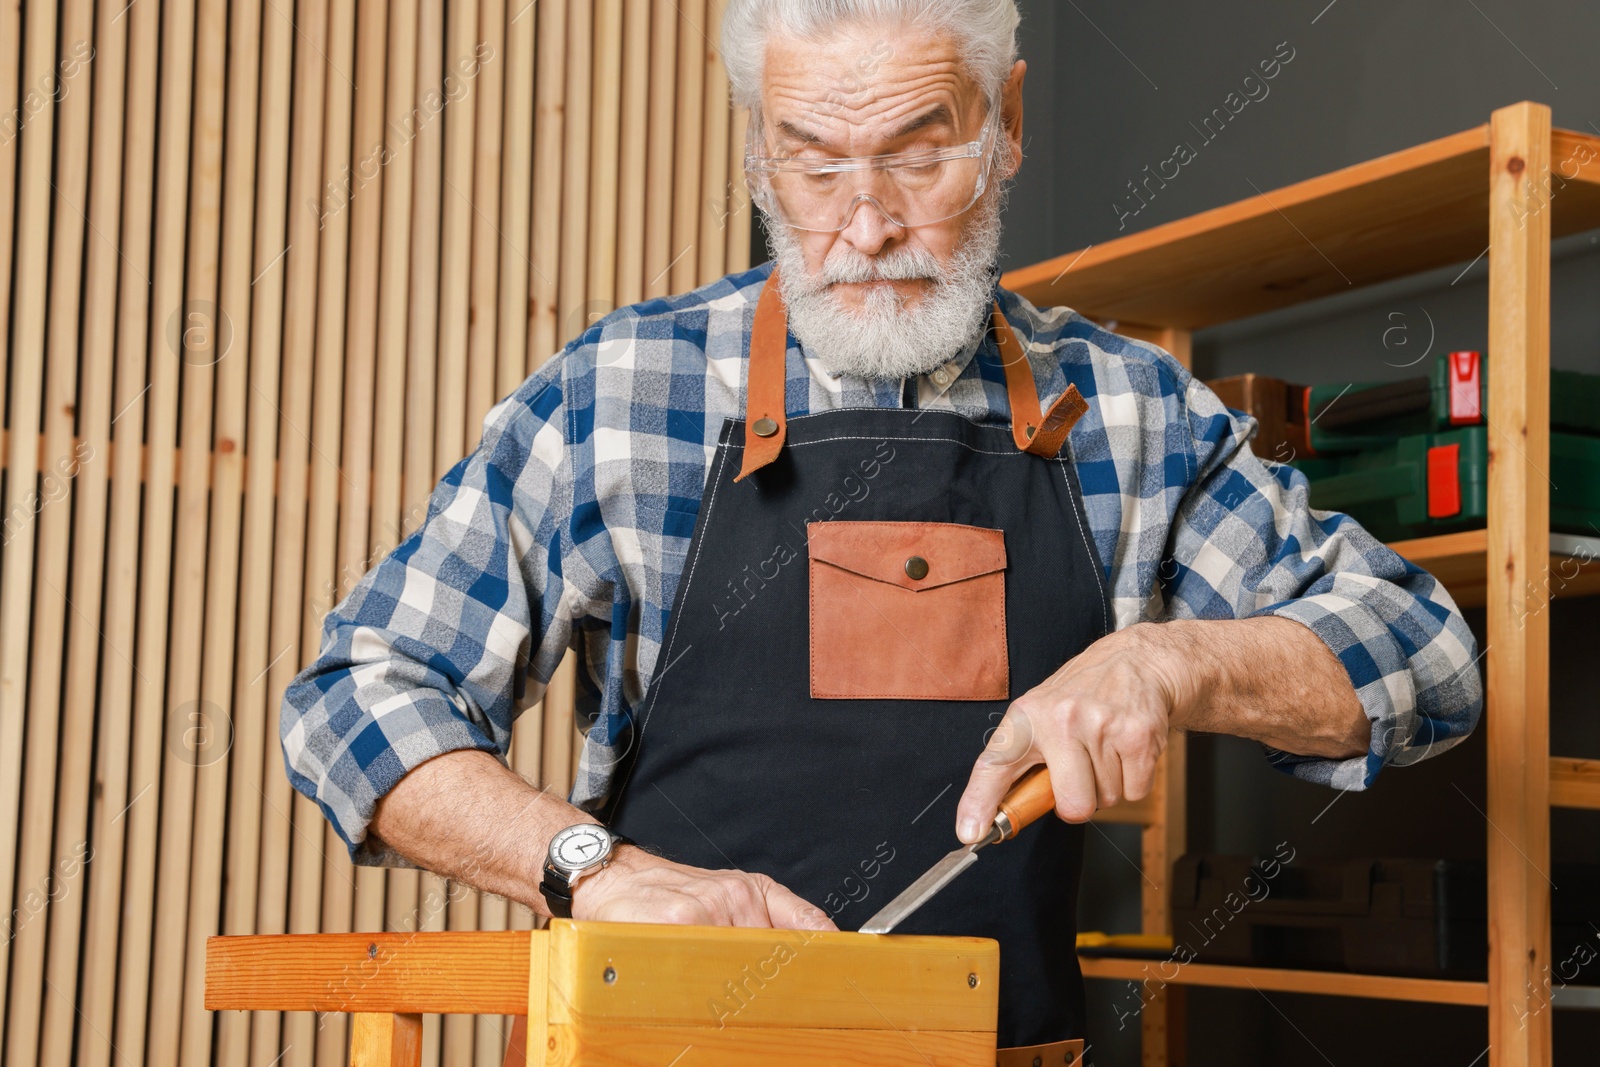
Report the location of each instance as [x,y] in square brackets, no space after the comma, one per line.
[1113,87]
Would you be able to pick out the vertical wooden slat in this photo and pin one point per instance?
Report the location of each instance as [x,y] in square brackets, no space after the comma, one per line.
[120,735]
[422,343]
[26,368]
[487,244]
[549,126]
[573,280]
[606,129]
[386,1040]
[255,730]
[313,870]
[202,343]
[559,698]
[10,71]
[456,229]
[634,140]
[516,199]
[162,404]
[686,193]
[740,211]
[227,441]
[290,603]
[664,108]
[1518,650]
[714,200]
[1162,842]
[36,866]
[389,522]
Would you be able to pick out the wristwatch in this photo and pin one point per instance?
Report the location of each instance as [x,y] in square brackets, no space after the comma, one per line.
[575,853]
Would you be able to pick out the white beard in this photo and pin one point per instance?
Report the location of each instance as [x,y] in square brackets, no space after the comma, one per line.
[883,339]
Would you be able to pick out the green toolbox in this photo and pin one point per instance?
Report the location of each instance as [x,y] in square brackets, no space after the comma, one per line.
[1361,415]
[1433,483]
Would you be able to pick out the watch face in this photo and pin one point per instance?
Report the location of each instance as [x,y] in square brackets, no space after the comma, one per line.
[578,847]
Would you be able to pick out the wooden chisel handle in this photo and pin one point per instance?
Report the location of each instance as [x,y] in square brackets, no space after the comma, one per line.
[1028,799]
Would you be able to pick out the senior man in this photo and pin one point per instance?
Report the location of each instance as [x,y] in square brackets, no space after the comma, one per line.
[846,544]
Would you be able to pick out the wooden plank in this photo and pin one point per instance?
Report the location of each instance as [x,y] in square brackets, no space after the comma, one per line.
[661,165]
[117,728]
[776,1047]
[290,604]
[1420,208]
[559,708]
[458,972]
[516,200]
[648,974]
[1161,843]
[572,281]
[715,184]
[456,226]
[549,137]
[386,1040]
[1154,973]
[1518,642]
[1574,783]
[690,125]
[167,297]
[634,139]
[48,622]
[26,365]
[537,1031]
[486,230]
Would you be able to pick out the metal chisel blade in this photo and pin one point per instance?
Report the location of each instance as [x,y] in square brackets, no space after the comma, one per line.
[924,888]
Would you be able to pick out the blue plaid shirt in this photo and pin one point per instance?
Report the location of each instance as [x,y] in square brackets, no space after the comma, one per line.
[569,524]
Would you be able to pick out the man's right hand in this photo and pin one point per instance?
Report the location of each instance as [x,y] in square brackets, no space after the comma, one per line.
[637,886]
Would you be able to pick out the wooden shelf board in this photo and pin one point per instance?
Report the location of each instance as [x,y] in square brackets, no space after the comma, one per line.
[1330,983]
[1574,783]
[1460,561]
[1419,209]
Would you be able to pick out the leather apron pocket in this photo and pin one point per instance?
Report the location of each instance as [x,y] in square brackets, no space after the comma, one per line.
[907,611]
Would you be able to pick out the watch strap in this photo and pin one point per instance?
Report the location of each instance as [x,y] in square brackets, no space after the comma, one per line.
[556,887]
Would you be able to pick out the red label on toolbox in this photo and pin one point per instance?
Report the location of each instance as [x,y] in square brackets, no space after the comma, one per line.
[1465,388]
[1444,481]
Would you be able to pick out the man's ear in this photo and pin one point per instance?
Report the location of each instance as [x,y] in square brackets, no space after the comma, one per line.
[1011,112]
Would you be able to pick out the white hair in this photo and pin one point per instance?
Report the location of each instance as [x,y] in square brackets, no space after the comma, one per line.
[985,33]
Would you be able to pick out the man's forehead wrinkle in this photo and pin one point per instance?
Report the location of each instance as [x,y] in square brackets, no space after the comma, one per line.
[878,110]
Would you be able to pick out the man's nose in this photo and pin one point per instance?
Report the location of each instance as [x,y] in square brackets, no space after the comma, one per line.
[869,228]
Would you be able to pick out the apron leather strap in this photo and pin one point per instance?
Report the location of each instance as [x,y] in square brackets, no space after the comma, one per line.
[1043,435]
[765,380]
[1057,1053]
[765,425]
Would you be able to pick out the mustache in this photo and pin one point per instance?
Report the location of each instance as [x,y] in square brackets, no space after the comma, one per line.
[847,265]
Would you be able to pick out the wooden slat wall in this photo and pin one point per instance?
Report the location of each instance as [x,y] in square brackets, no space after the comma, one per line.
[268,263]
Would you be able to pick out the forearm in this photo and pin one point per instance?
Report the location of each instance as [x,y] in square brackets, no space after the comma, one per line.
[1270,679]
[467,817]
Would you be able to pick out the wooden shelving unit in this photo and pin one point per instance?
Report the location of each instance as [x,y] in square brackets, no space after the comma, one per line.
[1502,190]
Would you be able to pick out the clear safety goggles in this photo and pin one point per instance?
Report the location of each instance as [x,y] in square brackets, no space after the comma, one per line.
[915,188]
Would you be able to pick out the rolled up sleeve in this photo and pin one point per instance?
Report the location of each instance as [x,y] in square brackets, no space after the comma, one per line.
[1246,543]
[445,641]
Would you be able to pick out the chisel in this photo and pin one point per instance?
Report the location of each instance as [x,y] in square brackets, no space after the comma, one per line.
[1031,797]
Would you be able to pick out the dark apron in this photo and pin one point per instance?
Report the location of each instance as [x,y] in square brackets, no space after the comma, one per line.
[845,801]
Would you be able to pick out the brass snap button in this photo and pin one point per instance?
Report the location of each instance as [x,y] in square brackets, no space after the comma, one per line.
[916,568]
[765,428]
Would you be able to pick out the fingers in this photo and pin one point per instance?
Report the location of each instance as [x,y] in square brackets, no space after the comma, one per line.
[1072,774]
[1008,754]
[786,911]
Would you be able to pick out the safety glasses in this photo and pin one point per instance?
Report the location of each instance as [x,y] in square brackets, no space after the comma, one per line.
[913,188]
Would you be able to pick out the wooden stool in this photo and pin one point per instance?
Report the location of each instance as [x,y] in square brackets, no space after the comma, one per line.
[632,993]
